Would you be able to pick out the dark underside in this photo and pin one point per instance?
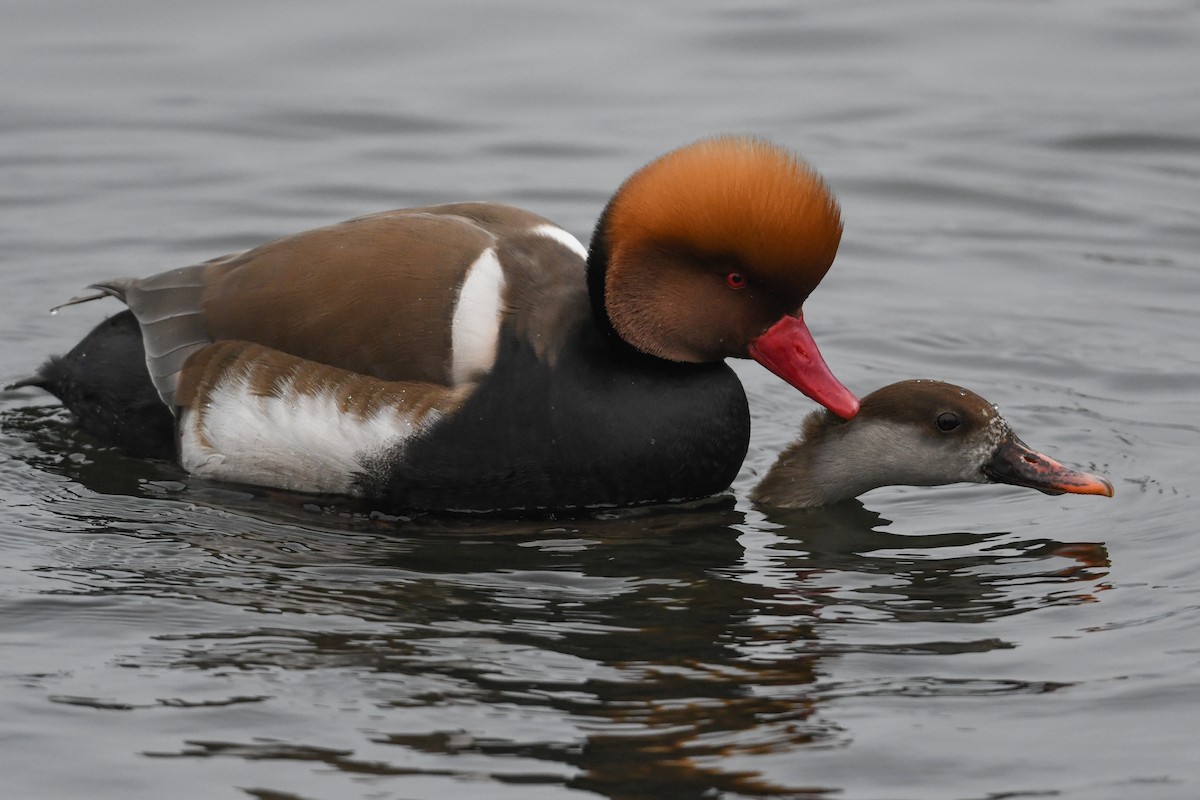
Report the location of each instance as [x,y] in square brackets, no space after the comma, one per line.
[605,426]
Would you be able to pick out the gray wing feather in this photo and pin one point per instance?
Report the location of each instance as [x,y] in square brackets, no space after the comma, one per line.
[169,309]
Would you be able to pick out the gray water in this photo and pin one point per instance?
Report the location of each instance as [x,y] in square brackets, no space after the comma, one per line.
[1021,188]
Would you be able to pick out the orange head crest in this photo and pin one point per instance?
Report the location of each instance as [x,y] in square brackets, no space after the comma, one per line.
[736,198]
[710,251]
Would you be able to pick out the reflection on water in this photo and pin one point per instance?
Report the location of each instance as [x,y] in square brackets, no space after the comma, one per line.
[640,655]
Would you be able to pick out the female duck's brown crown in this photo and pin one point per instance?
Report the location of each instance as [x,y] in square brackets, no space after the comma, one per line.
[735,198]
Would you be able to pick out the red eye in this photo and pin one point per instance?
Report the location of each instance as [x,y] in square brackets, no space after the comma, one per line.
[735,280]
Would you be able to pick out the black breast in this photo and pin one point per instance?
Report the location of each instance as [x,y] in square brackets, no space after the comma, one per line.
[601,427]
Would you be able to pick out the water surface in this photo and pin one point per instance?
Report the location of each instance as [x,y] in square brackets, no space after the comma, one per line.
[1020,184]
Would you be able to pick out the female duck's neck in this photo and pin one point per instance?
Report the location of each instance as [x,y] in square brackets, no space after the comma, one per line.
[818,469]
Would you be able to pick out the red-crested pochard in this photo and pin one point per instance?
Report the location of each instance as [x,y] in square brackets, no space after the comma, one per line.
[475,356]
[912,433]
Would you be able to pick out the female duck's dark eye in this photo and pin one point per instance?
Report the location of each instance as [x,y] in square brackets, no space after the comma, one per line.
[947,422]
[735,280]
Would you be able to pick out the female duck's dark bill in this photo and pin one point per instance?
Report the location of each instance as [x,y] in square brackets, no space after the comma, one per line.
[787,349]
[1016,463]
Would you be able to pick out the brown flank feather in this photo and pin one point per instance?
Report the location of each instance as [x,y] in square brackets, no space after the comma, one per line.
[386,286]
[271,373]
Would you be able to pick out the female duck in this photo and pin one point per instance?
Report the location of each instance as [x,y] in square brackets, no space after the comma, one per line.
[475,356]
[912,433]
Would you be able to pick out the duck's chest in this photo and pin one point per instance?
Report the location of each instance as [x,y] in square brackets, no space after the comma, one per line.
[591,427]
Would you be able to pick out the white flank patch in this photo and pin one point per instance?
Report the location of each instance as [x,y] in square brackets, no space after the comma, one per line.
[562,237]
[475,329]
[300,442]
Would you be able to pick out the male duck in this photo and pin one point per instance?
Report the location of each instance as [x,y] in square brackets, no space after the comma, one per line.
[912,433]
[475,356]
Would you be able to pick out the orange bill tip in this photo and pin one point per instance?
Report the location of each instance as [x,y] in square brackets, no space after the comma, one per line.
[1016,463]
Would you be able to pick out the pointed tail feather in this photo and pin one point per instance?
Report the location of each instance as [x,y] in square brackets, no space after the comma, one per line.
[115,287]
[37,380]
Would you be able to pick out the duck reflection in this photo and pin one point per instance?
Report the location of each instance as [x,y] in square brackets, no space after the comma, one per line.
[652,652]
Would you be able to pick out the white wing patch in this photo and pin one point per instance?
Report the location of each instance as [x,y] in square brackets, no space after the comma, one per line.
[562,237]
[297,441]
[475,329]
